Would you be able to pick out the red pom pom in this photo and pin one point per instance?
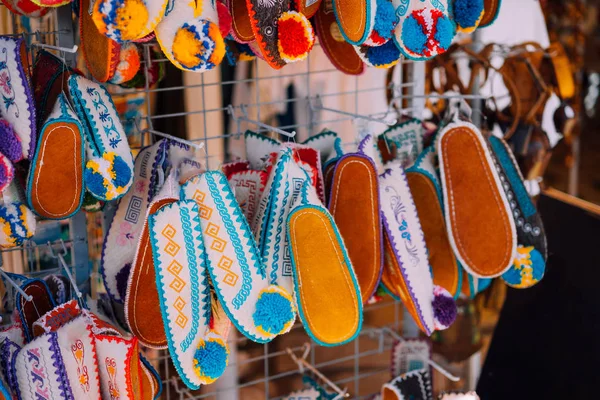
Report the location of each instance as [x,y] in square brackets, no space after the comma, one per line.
[296,36]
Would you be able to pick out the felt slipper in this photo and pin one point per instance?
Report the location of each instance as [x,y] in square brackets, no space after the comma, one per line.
[100,53]
[25,7]
[109,169]
[31,311]
[151,381]
[491,12]
[327,291]
[478,216]
[199,354]
[407,137]
[55,182]
[427,195]
[119,367]
[258,149]
[406,271]
[385,23]
[7,172]
[10,144]
[59,286]
[283,36]
[189,35]
[55,318]
[241,28]
[338,51]
[128,66]
[354,205]
[142,316]
[425,29]
[123,233]
[126,20]
[530,260]
[259,310]
[17,106]
[17,222]
[409,355]
[327,143]
[385,56]
[356,19]
[248,187]
[415,385]
[467,14]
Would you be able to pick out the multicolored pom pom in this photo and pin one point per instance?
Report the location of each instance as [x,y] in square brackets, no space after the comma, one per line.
[384,56]
[108,177]
[467,14]
[444,308]
[296,36]
[528,268]
[211,357]
[17,224]
[385,23]
[120,20]
[275,311]
[426,33]
[198,46]
[156,72]
[129,64]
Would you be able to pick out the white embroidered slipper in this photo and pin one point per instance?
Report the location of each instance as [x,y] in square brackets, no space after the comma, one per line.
[128,20]
[327,143]
[407,138]
[259,310]
[109,169]
[199,354]
[118,366]
[189,35]
[57,317]
[248,186]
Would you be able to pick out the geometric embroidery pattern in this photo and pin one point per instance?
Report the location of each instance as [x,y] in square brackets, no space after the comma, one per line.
[225,264]
[205,212]
[171,248]
[177,284]
[133,209]
[181,319]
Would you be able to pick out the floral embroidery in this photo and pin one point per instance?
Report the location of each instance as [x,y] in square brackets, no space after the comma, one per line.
[111,368]
[399,210]
[8,94]
[82,372]
[140,186]
[114,137]
[126,234]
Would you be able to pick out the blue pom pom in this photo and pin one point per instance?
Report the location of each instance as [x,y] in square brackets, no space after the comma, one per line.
[210,358]
[445,32]
[94,183]
[413,37]
[274,312]
[468,13]
[538,264]
[383,56]
[385,19]
[122,172]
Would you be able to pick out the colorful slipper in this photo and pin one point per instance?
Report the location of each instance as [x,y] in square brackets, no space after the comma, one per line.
[118,366]
[322,272]
[125,20]
[412,385]
[57,317]
[354,205]
[478,216]
[327,143]
[141,316]
[248,187]
[338,51]
[491,12]
[241,28]
[9,348]
[406,271]
[10,145]
[109,169]
[385,24]
[385,56]
[425,29]
[532,252]
[283,36]
[427,195]
[17,106]
[55,182]
[356,19]
[199,354]
[409,355]
[31,311]
[258,149]
[151,381]
[467,14]
[260,311]
[17,222]
[407,137]
[189,35]
[59,286]
[25,7]
[128,66]
[101,54]
[125,228]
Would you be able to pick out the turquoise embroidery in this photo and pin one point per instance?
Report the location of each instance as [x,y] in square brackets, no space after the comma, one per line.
[402,8]
[438,4]
[278,239]
[114,138]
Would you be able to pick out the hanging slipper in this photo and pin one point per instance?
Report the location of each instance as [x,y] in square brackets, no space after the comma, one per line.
[407,139]
[109,170]
[10,145]
[491,12]
[142,316]
[30,311]
[59,286]
[427,194]
[189,35]
[17,222]
[338,51]
[412,385]
[385,56]
[385,23]
[100,53]
[248,186]
[480,227]
[467,14]
[199,354]
[57,317]
[124,231]
[55,182]
[425,28]
[128,66]
[283,36]
[241,27]
[530,260]
[320,260]
[356,19]
[118,366]
[151,381]
[10,346]
[409,355]
[260,311]
[327,143]
[17,105]
[26,8]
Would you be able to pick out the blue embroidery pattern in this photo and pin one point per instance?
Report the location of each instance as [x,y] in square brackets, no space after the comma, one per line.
[402,8]
[275,263]
[399,209]
[114,137]
[438,4]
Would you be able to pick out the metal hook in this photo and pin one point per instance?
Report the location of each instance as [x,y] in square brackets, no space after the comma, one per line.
[198,146]
[319,106]
[65,267]
[244,117]
[71,50]
[14,284]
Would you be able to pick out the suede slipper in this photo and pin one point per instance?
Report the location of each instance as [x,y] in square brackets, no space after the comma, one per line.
[26,8]
[17,106]
[241,28]
[128,20]
[356,19]
[109,169]
[478,216]
[491,12]
[532,250]
[327,292]
[425,29]
[415,385]
[199,355]
[407,137]
[260,311]
[427,195]
[338,51]
[55,183]
[31,311]
[151,381]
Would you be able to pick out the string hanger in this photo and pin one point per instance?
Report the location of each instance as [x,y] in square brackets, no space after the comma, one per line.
[244,118]
[319,107]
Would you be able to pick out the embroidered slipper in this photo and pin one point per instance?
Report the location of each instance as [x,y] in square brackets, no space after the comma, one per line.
[109,169]
[425,29]
[7,172]
[327,143]
[31,311]
[258,149]
[530,261]
[17,222]
[320,260]
[25,7]
[189,35]
[467,14]
[151,381]
[338,51]
[10,145]
[9,348]
[427,195]
[385,56]
[412,385]
[354,205]
[59,286]
[142,316]
[241,28]
[17,106]
[260,311]
[100,53]
[356,19]
[384,25]
[123,233]
[128,66]
[199,354]
[407,137]
[406,271]
[478,216]
[118,366]
[248,187]
[55,318]
[55,182]
[283,36]
[126,20]
[491,12]
[409,355]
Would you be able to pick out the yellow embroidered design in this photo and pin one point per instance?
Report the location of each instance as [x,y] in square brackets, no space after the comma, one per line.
[171,248]
[523,264]
[111,369]
[181,319]
[82,371]
[177,284]
[196,5]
